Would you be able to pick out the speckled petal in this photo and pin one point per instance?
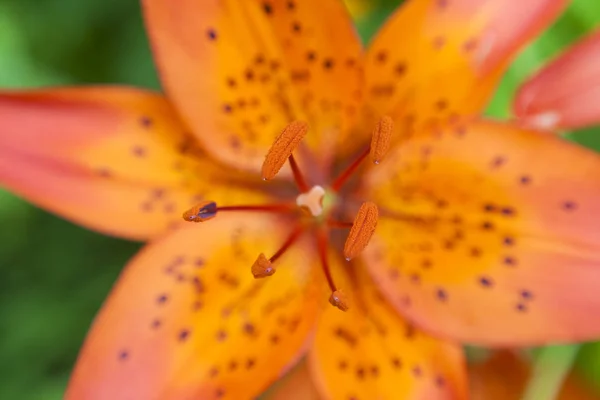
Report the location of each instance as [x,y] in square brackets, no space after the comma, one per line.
[370,352]
[240,71]
[564,94]
[117,160]
[435,60]
[490,234]
[187,320]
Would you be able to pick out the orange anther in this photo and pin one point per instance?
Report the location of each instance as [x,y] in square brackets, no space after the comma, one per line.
[262,267]
[382,136]
[362,230]
[201,212]
[282,149]
[339,300]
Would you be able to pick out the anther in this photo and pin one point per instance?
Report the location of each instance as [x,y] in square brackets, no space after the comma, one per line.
[362,230]
[201,212]
[262,267]
[382,136]
[282,149]
[339,300]
[208,210]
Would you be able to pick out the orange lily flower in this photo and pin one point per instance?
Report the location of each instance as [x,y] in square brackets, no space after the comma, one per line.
[485,232]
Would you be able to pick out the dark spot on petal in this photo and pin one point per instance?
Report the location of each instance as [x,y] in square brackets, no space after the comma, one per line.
[441,294]
[440,381]
[417,371]
[138,151]
[489,208]
[475,252]
[146,121]
[184,334]
[219,393]
[569,206]
[221,335]
[123,355]
[485,281]
[267,8]
[381,56]
[526,295]
[396,362]
[342,365]
[162,299]
[507,211]
[487,226]
[155,324]
[525,180]
[521,307]
[498,162]
[328,63]
[508,241]
[296,27]
[212,34]
[400,69]
[250,363]
[509,261]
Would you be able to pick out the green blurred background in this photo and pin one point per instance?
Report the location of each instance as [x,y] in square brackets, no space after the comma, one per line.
[54,275]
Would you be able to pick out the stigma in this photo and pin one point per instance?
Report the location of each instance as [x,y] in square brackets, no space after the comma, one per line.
[312,200]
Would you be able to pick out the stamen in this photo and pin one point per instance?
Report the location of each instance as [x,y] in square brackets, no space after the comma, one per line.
[362,230]
[382,136]
[380,144]
[337,298]
[264,267]
[282,149]
[347,173]
[206,210]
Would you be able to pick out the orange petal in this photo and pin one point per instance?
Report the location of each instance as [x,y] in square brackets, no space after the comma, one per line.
[297,385]
[504,377]
[187,319]
[370,352]
[113,159]
[437,59]
[490,234]
[564,94]
[240,72]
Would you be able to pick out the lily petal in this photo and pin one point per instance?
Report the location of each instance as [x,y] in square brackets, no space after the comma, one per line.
[239,72]
[490,234]
[188,321]
[438,59]
[370,352]
[565,93]
[113,159]
[297,385]
[504,377]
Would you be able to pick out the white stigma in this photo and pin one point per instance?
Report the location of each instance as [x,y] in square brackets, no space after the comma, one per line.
[312,200]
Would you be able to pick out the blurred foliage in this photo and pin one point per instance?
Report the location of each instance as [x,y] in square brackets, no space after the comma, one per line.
[54,274]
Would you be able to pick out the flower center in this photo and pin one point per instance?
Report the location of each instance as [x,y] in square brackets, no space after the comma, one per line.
[312,201]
